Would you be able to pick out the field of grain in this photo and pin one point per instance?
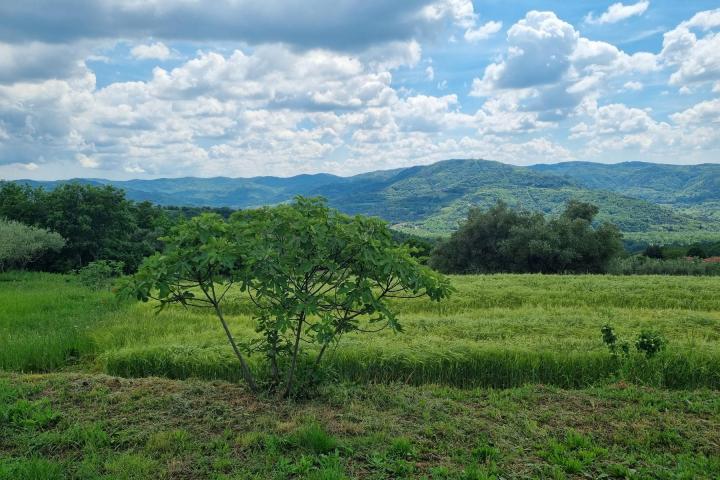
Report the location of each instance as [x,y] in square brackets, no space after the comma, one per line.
[495,331]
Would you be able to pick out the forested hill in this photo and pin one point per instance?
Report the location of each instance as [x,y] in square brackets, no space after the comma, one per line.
[666,184]
[639,197]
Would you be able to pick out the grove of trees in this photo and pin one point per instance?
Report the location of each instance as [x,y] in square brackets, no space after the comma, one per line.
[501,239]
[97,223]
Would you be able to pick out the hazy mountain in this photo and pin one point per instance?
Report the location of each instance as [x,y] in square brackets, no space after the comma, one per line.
[639,197]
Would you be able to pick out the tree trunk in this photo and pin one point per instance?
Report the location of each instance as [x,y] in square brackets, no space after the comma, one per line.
[320,355]
[247,374]
[293,364]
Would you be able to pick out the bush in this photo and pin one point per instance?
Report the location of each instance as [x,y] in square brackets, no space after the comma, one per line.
[650,343]
[312,274]
[21,244]
[101,273]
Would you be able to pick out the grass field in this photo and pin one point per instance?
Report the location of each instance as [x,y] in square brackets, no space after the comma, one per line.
[423,404]
[497,331]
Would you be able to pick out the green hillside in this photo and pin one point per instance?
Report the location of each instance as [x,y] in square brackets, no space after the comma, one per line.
[646,200]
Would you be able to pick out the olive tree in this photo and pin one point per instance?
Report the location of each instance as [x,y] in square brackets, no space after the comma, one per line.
[311,274]
[22,244]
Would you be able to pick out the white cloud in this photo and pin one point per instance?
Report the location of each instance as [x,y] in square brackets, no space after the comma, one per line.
[553,68]
[157,51]
[617,127]
[36,61]
[483,32]
[633,85]
[706,112]
[618,12]
[430,73]
[695,60]
[86,161]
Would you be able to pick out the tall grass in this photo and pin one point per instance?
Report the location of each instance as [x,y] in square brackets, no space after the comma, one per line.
[46,320]
[497,330]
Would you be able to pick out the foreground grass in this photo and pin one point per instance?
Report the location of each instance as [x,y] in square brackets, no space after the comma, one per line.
[497,330]
[67,426]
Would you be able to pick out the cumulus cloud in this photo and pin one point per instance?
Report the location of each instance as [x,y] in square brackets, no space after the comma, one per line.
[553,68]
[157,50]
[483,32]
[617,127]
[326,96]
[618,12]
[695,60]
[633,85]
[706,113]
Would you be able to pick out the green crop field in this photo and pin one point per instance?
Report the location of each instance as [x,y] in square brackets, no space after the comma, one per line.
[507,379]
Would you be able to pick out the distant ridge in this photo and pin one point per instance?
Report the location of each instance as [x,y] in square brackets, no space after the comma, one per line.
[642,198]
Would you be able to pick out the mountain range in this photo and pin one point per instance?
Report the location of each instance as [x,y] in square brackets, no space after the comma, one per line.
[646,200]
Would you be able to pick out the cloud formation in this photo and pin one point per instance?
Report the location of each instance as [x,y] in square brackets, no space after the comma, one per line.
[220,101]
[618,12]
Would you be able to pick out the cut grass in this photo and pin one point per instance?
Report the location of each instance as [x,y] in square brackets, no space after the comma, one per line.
[154,428]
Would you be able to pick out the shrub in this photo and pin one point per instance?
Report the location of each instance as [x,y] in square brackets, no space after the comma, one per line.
[612,341]
[22,244]
[101,273]
[650,343]
[312,274]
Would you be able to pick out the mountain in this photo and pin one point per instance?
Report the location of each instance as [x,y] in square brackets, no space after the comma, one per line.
[644,199]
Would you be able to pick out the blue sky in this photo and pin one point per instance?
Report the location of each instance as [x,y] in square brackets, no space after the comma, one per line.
[164,88]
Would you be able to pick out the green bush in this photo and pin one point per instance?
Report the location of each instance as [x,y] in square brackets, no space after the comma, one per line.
[101,273]
[22,244]
[650,343]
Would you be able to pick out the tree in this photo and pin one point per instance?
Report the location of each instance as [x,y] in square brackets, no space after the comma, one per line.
[696,251]
[99,223]
[654,251]
[476,247]
[22,244]
[503,240]
[311,273]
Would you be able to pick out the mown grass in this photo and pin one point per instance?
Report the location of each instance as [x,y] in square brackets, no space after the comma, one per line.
[79,426]
[497,330]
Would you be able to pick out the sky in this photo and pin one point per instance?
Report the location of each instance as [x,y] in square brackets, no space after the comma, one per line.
[125,89]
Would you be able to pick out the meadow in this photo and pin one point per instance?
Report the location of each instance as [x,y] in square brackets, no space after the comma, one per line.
[507,379]
[495,331]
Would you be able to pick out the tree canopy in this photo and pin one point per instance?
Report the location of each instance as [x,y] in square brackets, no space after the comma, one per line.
[98,223]
[504,240]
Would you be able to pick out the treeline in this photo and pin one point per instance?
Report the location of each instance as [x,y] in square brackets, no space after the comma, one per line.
[501,239]
[94,223]
[700,250]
